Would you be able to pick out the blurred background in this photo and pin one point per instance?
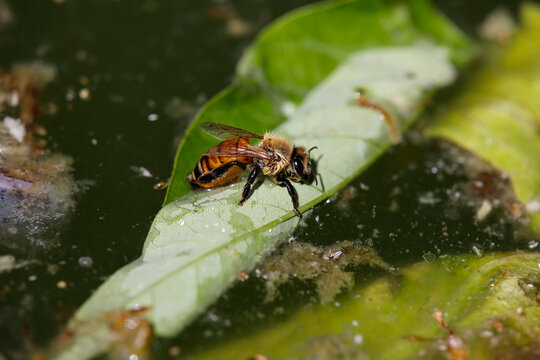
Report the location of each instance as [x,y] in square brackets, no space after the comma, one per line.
[129,77]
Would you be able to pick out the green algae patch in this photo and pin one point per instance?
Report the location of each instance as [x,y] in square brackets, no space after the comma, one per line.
[481,300]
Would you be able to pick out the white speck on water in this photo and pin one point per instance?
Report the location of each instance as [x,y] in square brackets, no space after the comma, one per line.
[94,141]
[133,357]
[70,94]
[84,94]
[434,170]
[478,250]
[222,229]
[364,186]
[141,171]
[32,278]
[428,198]
[269,230]
[213,317]
[181,222]
[532,244]
[354,323]
[317,218]
[484,210]
[15,127]
[337,304]
[358,339]
[86,261]
[153,117]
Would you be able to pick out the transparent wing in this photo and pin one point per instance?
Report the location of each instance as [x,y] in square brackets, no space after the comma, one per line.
[224,132]
[244,150]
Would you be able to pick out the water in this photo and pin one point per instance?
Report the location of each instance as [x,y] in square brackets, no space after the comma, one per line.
[130,75]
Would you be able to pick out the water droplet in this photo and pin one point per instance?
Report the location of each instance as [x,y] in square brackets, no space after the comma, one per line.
[429,257]
[85,261]
[213,317]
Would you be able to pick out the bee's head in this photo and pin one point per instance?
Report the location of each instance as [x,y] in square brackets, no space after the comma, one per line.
[302,170]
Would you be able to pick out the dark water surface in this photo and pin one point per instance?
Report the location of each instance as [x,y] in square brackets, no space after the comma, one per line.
[147,66]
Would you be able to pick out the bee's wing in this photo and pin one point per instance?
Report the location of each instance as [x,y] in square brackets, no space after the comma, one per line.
[244,150]
[224,132]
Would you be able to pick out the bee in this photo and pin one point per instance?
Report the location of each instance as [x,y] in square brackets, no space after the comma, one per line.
[274,156]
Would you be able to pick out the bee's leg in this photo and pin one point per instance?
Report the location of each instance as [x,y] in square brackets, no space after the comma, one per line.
[292,194]
[247,187]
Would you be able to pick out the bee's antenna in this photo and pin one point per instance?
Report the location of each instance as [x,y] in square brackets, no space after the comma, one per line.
[309,151]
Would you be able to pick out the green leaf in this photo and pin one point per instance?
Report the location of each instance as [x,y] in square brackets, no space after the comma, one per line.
[496,112]
[296,52]
[371,321]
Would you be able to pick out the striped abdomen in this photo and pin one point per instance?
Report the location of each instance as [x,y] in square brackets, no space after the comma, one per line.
[214,170]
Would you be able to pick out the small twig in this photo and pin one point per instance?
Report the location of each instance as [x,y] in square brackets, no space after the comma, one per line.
[361,100]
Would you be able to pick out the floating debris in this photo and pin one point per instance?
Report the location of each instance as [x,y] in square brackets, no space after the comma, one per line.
[9,263]
[452,345]
[86,261]
[141,171]
[235,26]
[36,186]
[325,266]
[484,210]
[161,185]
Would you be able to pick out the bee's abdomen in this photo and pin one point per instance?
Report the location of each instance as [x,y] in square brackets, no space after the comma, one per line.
[215,170]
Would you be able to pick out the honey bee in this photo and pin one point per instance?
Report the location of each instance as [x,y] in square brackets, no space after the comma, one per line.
[274,156]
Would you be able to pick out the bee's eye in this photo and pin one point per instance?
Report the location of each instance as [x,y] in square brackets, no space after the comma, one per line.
[298,166]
